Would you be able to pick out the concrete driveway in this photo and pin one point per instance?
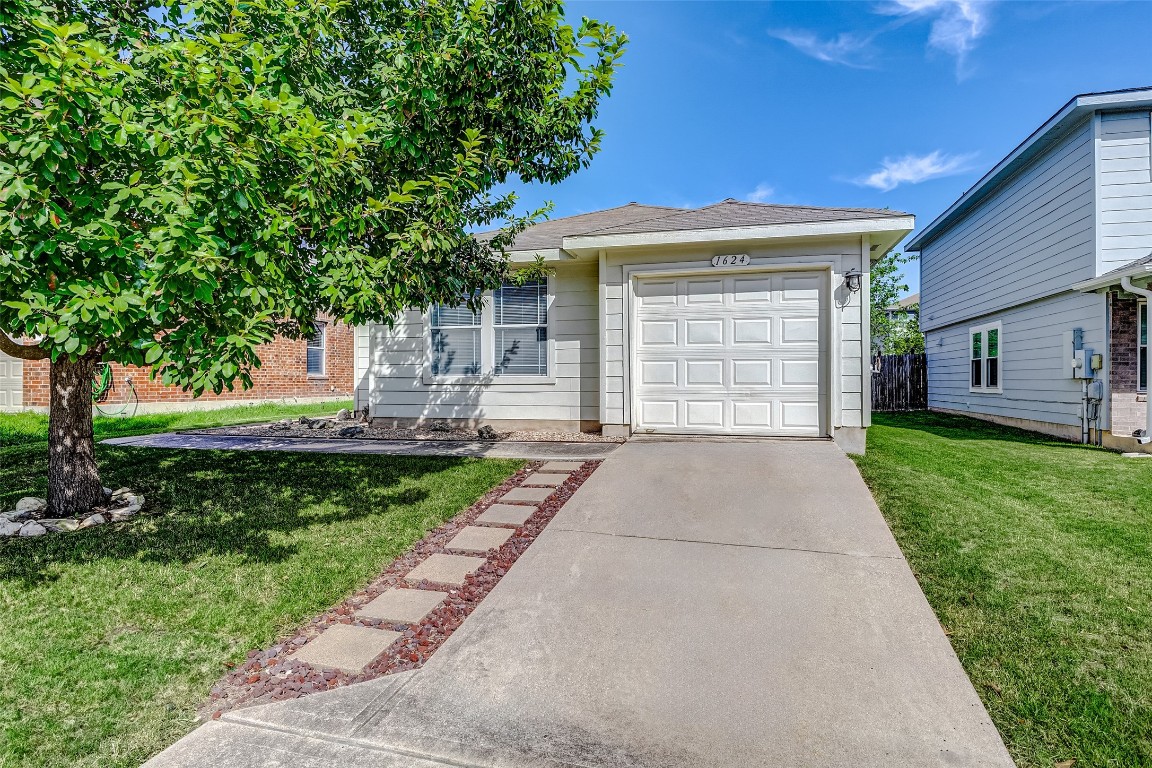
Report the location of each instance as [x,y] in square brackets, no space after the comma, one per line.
[697,603]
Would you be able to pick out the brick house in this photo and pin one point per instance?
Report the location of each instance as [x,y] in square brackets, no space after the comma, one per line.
[317,369]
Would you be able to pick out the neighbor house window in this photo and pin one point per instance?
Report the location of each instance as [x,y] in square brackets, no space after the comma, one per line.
[1142,349]
[984,348]
[455,340]
[520,329]
[316,344]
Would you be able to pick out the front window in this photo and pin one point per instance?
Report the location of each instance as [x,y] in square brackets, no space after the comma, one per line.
[520,329]
[316,344]
[507,338]
[455,340]
[984,358]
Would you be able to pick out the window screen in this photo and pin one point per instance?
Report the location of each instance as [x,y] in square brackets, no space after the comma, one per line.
[455,341]
[520,326]
[315,353]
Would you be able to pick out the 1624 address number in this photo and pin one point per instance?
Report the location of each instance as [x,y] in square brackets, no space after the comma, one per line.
[732,260]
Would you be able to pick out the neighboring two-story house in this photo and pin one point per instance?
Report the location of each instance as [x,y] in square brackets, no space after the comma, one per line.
[1028,305]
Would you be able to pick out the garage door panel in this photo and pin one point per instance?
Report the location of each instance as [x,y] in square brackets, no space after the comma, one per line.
[799,415]
[751,289]
[704,414]
[738,354]
[800,289]
[799,330]
[703,373]
[659,413]
[657,292]
[11,382]
[658,332]
[704,291]
[704,331]
[795,373]
[751,373]
[756,416]
[751,331]
[658,372]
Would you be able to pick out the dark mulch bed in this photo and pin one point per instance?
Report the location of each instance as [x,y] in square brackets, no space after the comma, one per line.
[273,675]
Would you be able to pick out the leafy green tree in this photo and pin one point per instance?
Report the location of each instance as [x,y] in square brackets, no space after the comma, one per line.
[892,333]
[180,183]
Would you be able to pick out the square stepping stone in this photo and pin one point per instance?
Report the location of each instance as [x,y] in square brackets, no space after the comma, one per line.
[561,466]
[343,646]
[445,569]
[403,606]
[508,514]
[544,479]
[527,494]
[477,539]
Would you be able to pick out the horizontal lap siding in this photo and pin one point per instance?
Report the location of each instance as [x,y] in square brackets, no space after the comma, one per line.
[1031,238]
[1033,362]
[398,357]
[1125,152]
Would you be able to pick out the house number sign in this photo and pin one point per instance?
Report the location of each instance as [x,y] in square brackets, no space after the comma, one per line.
[732,260]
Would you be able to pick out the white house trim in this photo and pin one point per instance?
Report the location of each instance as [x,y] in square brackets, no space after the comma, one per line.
[904,224]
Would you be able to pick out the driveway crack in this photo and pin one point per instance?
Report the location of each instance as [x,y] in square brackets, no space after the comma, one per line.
[733,544]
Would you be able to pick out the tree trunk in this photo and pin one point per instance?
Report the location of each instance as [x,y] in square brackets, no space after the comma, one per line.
[73,480]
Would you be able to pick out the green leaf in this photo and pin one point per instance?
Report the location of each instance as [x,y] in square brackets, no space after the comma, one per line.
[154,353]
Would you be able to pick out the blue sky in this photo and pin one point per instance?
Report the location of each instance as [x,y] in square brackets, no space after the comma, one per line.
[895,103]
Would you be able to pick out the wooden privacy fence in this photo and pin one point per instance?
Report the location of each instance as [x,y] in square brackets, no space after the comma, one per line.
[900,382]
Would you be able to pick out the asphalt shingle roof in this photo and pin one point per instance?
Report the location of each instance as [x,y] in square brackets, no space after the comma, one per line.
[635,218]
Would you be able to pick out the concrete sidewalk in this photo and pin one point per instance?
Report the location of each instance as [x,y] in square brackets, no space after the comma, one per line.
[533,451]
[694,604]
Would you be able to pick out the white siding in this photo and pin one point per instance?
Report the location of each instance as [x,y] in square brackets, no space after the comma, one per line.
[11,383]
[1033,364]
[1125,188]
[1033,237]
[398,357]
[845,334]
[360,362]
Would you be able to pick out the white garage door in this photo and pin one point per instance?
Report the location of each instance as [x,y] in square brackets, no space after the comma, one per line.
[11,382]
[737,354]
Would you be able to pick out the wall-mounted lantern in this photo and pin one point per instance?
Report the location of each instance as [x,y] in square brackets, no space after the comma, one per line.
[852,279]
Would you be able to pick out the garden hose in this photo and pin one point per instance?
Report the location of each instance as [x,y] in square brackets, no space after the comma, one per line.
[104,385]
[103,382]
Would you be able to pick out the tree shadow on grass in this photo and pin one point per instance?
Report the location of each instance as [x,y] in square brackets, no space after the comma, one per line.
[956,427]
[212,503]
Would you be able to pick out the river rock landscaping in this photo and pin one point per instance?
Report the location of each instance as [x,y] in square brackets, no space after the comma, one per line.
[30,516]
[342,427]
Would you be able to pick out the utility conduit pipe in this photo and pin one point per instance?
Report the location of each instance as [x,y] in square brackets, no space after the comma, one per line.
[1126,284]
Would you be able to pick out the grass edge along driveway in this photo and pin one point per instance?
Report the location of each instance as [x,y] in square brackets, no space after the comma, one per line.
[1036,555]
[110,637]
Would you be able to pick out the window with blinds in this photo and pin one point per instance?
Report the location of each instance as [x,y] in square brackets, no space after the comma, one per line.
[455,341]
[315,353]
[520,329]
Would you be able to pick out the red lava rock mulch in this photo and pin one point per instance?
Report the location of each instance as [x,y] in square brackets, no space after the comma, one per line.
[273,674]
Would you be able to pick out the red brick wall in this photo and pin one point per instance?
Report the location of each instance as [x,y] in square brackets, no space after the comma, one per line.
[1128,407]
[283,374]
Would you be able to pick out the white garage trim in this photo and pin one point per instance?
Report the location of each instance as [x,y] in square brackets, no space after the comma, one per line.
[829,335]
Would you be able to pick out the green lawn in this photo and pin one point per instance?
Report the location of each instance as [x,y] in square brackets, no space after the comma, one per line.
[1037,557]
[110,637]
[27,427]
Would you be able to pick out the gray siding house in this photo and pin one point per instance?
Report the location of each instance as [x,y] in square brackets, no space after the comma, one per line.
[733,319]
[1027,305]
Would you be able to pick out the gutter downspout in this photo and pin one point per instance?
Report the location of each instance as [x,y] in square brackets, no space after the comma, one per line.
[1126,284]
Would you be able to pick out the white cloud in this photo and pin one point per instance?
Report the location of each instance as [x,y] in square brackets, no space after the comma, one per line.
[913,169]
[847,48]
[956,24]
[762,194]
[955,27]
